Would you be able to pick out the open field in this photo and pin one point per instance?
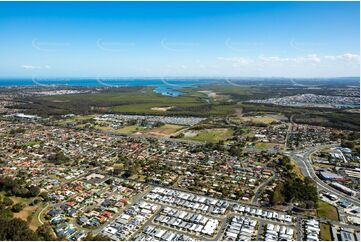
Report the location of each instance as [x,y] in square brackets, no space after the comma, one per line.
[208,135]
[325,232]
[163,130]
[20,199]
[326,210]
[29,214]
[76,119]
[129,129]
[266,145]
[264,119]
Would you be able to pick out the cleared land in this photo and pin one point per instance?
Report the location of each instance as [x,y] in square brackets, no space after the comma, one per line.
[29,214]
[163,130]
[297,170]
[325,232]
[267,119]
[326,210]
[76,119]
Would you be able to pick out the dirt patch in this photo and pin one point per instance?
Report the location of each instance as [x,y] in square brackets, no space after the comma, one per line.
[328,166]
[60,101]
[266,119]
[353,110]
[27,212]
[213,95]
[164,130]
[296,169]
[161,109]
[190,134]
[238,112]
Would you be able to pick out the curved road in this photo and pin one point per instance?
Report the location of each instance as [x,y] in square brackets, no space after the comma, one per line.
[303,161]
[259,189]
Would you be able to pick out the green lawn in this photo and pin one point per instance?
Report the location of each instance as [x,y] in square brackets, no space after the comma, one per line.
[266,145]
[326,210]
[261,145]
[325,232]
[103,128]
[129,129]
[211,135]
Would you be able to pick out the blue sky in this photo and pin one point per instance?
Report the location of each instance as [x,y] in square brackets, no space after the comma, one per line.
[90,39]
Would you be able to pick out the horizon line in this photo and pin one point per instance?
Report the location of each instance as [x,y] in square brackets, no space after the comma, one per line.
[186,77]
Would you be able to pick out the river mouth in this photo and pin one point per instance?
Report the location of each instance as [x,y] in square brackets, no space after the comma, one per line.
[168,91]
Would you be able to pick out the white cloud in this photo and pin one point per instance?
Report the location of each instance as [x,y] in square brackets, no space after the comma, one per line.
[30,67]
[330,57]
[301,65]
[236,61]
[313,58]
[345,57]
[33,67]
[273,59]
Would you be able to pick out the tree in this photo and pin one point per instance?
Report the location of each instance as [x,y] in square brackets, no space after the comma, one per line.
[58,158]
[33,191]
[16,229]
[17,207]
[34,202]
[7,201]
[277,195]
[44,232]
[98,237]
[348,143]
[17,131]
[235,150]
[17,187]
[5,213]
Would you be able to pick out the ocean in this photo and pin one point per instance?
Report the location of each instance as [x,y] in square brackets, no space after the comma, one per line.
[168,87]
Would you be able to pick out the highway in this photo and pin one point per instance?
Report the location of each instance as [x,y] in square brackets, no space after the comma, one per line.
[303,161]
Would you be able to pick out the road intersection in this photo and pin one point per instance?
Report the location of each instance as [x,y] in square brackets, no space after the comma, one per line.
[303,160]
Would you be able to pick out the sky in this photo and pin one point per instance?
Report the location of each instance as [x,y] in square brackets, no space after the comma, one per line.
[158,39]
